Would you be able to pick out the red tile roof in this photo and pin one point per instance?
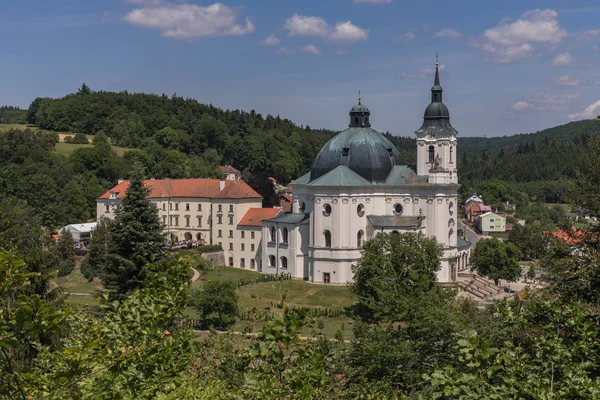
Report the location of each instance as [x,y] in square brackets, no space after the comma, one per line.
[237,190]
[484,208]
[193,188]
[255,216]
[228,169]
[286,207]
[285,198]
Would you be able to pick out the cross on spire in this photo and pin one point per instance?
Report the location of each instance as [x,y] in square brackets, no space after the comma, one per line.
[437,59]
[359,96]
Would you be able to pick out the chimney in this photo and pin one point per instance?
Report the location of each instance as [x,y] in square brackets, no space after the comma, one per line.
[119,181]
[221,185]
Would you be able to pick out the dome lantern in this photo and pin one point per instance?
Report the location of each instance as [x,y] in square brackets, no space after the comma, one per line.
[359,115]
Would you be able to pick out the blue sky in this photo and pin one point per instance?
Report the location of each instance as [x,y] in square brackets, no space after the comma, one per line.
[508,67]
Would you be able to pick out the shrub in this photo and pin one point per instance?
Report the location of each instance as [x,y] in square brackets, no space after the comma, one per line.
[80,138]
[87,270]
[209,248]
[65,268]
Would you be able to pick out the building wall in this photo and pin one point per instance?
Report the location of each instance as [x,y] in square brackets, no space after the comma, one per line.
[492,223]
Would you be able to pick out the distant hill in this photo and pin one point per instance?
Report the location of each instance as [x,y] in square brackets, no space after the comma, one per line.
[567,132]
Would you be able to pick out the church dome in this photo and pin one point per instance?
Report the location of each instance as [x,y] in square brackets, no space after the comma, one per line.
[360,148]
[437,110]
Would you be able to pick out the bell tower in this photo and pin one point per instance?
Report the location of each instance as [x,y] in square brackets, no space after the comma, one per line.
[436,139]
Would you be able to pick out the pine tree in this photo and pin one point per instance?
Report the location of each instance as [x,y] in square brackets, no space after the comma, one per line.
[135,238]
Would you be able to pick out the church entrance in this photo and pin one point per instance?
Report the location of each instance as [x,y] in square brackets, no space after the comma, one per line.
[326,277]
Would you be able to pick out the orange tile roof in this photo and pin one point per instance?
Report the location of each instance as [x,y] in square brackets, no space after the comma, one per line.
[192,188]
[286,198]
[237,190]
[255,216]
[286,207]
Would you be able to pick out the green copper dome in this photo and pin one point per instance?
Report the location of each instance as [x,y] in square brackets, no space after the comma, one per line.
[360,148]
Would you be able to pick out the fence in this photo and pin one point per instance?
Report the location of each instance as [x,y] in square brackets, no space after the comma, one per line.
[265,278]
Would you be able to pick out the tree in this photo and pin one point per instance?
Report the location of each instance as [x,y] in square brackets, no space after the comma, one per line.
[217,297]
[66,251]
[496,260]
[92,264]
[396,273]
[135,239]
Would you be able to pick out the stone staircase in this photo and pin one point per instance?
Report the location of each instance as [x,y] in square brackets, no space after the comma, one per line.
[478,289]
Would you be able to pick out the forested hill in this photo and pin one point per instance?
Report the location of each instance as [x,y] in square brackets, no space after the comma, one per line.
[573,131]
[246,140]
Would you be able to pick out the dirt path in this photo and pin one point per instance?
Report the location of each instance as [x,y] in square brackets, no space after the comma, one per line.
[196,275]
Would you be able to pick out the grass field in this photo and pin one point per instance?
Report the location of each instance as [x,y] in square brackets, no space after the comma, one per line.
[61,147]
[259,295]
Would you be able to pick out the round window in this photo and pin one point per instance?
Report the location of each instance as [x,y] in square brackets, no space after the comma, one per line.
[360,210]
[398,209]
[327,209]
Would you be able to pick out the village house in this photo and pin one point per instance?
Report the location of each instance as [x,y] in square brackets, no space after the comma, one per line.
[491,223]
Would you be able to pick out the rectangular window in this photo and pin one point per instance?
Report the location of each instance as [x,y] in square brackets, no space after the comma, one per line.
[231,261]
[230,220]
[252,247]
[199,207]
[199,220]
[171,206]
[243,234]
[230,234]
[107,208]
[176,206]
[219,219]
[252,264]
[221,244]
[187,206]
[220,233]
[164,206]
[231,208]
[230,246]
[251,235]
[187,220]
[170,220]
[491,220]
[243,246]
[164,220]
[220,208]
[177,220]
[243,262]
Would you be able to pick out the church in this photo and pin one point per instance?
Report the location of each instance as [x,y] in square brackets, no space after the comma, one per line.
[358,187]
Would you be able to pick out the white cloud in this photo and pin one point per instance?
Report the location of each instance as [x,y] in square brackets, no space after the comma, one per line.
[145,2]
[545,101]
[566,80]
[374,1]
[340,52]
[589,34]
[271,40]
[189,20]
[343,32]
[299,25]
[562,59]
[449,33]
[347,32]
[407,37]
[309,49]
[511,41]
[423,73]
[587,113]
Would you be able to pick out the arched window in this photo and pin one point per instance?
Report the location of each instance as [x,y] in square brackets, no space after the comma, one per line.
[355,120]
[284,262]
[398,209]
[431,154]
[302,206]
[284,236]
[360,210]
[327,210]
[272,261]
[327,236]
[451,151]
[273,234]
[359,239]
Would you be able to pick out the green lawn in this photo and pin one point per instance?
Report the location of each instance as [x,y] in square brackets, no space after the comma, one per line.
[67,148]
[224,273]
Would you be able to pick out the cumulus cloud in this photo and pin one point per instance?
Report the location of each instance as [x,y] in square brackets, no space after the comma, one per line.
[342,32]
[408,37]
[513,40]
[589,34]
[308,49]
[271,40]
[448,33]
[374,1]
[423,73]
[190,20]
[562,59]
[545,101]
[589,112]
[566,80]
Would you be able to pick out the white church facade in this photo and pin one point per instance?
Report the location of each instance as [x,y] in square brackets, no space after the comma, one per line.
[358,187]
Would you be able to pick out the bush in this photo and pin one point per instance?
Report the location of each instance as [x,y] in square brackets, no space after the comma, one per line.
[65,268]
[80,138]
[68,139]
[217,302]
[86,269]
[209,248]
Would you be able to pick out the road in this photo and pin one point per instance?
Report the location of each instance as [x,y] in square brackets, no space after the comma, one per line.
[470,234]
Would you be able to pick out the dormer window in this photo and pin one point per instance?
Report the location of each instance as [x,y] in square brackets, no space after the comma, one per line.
[114,195]
[345,151]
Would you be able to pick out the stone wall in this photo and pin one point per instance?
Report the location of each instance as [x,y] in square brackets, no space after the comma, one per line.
[217,258]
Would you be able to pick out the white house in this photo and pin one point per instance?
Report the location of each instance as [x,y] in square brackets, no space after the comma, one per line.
[80,232]
[358,187]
